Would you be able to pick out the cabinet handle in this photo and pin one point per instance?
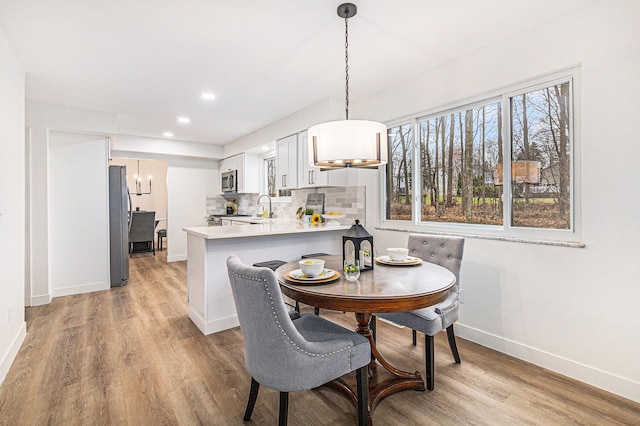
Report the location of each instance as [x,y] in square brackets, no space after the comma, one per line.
[309,177]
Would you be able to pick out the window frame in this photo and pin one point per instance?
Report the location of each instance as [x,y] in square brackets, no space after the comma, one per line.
[568,237]
[263,170]
[271,154]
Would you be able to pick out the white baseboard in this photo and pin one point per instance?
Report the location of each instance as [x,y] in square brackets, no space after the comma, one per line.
[43,299]
[210,327]
[79,289]
[176,258]
[584,373]
[10,354]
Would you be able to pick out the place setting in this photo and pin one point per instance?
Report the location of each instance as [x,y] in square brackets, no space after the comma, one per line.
[398,257]
[312,272]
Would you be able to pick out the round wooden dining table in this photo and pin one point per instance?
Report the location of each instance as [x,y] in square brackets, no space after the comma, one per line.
[386,288]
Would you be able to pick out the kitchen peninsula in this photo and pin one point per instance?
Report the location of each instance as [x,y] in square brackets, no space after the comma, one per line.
[211,306]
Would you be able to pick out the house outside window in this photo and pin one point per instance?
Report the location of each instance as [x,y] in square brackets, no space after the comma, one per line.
[446,168]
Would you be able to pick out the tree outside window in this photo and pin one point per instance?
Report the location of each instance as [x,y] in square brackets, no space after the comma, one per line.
[458,152]
[399,173]
[270,176]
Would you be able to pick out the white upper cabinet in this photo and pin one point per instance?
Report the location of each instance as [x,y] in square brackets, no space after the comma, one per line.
[230,163]
[287,163]
[309,176]
[248,166]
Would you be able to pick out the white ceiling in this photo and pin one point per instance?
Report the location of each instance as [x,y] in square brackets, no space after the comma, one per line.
[149,60]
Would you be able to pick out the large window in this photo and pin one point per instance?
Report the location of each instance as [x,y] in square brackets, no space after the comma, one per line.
[447,168]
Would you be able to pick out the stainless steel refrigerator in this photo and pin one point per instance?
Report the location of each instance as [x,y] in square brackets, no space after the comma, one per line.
[119,207]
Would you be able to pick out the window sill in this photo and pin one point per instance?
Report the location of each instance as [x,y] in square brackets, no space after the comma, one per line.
[572,244]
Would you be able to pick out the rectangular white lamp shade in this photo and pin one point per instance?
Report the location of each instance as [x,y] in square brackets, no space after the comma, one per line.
[348,143]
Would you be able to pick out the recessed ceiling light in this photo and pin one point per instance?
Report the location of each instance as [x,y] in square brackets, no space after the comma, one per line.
[168,134]
[208,96]
[184,119]
[265,148]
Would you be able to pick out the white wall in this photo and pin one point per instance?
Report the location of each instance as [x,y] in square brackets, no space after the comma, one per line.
[150,147]
[571,310]
[79,219]
[324,110]
[41,120]
[189,182]
[12,206]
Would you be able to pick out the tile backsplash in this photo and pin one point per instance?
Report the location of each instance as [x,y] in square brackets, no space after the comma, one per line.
[349,200]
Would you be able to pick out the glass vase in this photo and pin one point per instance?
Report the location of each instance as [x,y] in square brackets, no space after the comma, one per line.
[351,270]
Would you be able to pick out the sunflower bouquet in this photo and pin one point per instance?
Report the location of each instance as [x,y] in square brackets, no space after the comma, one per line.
[316,218]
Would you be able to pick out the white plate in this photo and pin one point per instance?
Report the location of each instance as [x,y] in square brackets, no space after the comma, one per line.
[298,275]
[410,260]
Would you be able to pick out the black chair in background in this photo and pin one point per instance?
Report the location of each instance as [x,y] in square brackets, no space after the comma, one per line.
[162,233]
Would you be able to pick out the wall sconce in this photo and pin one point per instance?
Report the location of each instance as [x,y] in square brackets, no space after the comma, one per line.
[138,179]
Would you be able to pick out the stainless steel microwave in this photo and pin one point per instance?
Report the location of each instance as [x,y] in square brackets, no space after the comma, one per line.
[230,181]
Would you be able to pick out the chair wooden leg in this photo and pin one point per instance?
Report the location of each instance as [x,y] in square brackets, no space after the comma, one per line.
[429,361]
[415,337]
[253,395]
[372,326]
[362,382]
[284,408]
[452,344]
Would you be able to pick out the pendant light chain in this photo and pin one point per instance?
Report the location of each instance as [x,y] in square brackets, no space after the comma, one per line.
[346,67]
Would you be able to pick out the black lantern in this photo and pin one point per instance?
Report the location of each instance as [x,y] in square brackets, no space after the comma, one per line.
[357,244]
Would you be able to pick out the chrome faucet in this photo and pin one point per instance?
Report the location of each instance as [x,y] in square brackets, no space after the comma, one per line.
[258,203]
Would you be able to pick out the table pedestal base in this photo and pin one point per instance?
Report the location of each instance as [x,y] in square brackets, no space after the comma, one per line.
[382,383]
[384,379]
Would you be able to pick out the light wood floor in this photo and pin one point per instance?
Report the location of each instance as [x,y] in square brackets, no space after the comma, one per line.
[131,356]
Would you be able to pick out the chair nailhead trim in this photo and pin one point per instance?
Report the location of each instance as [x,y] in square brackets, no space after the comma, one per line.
[284,333]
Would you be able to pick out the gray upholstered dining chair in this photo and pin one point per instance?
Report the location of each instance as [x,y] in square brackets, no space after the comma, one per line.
[141,232]
[447,252]
[288,351]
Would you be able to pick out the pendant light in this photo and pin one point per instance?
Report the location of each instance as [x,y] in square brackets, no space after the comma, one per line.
[138,183]
[347,143]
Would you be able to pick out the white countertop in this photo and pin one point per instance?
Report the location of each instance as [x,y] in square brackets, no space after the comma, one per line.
[247,219]
[269,227]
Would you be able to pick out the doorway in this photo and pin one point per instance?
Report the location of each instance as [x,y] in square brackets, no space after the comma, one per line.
[147,183]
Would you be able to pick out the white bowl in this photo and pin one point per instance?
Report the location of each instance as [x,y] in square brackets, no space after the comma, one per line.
[311,267]
[398,254]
